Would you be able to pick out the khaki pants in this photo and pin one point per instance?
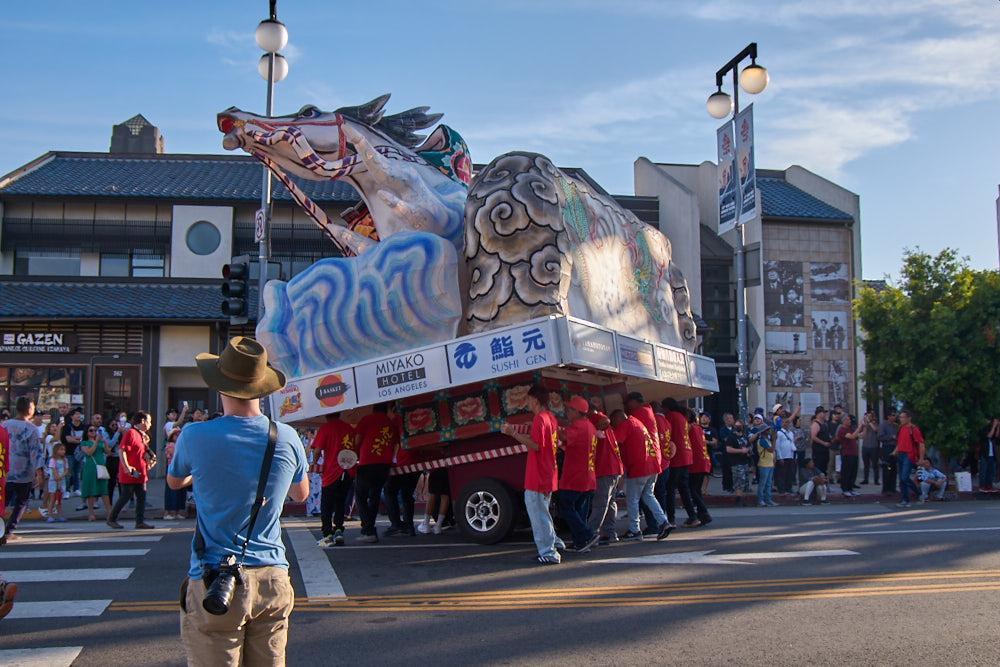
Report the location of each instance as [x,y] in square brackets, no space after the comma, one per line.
[253,631]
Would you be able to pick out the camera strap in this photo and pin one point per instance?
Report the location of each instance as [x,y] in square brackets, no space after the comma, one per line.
[265,472]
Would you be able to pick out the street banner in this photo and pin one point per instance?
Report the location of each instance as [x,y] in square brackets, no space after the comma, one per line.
[728,204]
[745,166]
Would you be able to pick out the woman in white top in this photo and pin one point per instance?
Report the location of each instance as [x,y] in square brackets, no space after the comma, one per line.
[784,460]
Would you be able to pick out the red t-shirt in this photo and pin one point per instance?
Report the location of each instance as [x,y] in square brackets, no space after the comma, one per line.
[907,441]
[4,464]
[663,428]
[132,448]
[679,436]
[331,438]
[540,473]
[607,460]
[700,462]
[848,446]
[578,462]
[378,436]
[645,415]
[640,455]
[406,457]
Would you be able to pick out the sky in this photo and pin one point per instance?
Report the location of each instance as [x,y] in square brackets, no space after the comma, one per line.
[894,100]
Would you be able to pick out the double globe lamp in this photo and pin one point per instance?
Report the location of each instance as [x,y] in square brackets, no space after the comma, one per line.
[753,79]
[272,36]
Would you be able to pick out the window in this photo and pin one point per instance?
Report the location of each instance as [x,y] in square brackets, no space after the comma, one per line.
[719,308]
[48,386]
[46,262]
[203,238]
[137,264]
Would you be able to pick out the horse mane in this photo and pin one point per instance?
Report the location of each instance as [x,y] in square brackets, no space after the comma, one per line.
[399,127]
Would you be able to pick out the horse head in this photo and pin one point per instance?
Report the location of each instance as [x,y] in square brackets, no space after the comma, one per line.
[407,181]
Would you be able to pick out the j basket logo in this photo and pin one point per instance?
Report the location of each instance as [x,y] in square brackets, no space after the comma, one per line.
[465,356]
[330,391]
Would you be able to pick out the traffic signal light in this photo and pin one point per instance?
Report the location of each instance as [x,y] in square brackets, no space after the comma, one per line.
[236,290]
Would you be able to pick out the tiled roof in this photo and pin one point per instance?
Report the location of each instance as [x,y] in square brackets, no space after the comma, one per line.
[780,199]
[191,177]
[134,300]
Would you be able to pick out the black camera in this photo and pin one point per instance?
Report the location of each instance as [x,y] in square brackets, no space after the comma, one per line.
[222,582]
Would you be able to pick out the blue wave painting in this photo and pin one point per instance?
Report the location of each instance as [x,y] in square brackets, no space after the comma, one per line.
[401,294]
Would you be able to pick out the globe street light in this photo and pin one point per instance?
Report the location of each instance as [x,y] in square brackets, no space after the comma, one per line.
[271,36]
[753,79]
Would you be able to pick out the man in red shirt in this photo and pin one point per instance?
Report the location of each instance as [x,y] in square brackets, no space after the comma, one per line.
[608,471]
[678,479]
[578,480]
[666,454]
[376,438]
[909,450]
[333,437]
[641,460]
[701,466]
[540,474]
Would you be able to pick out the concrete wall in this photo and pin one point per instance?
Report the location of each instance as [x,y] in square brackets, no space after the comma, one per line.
[180,344]
[679,221]
[186,264]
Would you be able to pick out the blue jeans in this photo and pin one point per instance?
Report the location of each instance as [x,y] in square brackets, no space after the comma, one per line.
[641,488]
[574,506]
[73,478]
[764,476]
[905,467]
[987,471]
[537,504]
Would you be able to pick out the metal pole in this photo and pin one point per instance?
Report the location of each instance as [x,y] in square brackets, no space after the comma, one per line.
[742,347]
[264,250]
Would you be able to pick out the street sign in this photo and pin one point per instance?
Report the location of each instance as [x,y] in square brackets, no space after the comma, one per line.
[258,225]
[707,557]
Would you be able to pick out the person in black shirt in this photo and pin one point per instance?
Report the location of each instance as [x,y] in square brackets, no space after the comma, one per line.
[728,421]
[821,440]
[738,453]
[71,436]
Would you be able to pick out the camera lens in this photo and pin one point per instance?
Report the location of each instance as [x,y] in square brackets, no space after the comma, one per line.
[220,594]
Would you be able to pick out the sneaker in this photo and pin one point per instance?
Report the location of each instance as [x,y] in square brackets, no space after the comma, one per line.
[60,519]
[325,541]
[824,502]
[77,493]
[169,517]
[65,495]
[690,522]
[424,527]
[393,530]
[773,504]
[806,502]
[548,560]
[371,539]
[114,524]
[902,504]
[705,519]
[50,520]
[144,526]
[631,536]
[438,529]
[81,507]
[607,539]
[44,512]
[338,538]
[664,530]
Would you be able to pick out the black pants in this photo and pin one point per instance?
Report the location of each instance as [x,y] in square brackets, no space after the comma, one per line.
[871,461]
[888,470]
[784,475]
[331,504]
[370,480]
[727,473]
[821,457]
[695,480]
[112,465]
[678,481]
[20,492]
[404,485]
[848,472]
[125,493]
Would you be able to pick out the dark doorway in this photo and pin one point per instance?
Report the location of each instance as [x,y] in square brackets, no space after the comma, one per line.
[116,389]
[196,397]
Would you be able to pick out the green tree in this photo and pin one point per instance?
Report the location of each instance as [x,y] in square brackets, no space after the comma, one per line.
[931,342]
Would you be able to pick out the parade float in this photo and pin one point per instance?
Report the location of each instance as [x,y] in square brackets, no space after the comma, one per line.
[458,291]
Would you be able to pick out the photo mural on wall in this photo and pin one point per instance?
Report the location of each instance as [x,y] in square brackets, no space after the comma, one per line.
[785,342]
[828,330]
[791,373]
[783,287]
[838,383]
[829,282]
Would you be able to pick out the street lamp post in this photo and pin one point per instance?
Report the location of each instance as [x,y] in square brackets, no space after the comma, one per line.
[754,80]
[271,36]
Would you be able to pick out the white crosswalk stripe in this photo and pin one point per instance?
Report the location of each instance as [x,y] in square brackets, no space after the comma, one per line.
[58,608]
[90,574]
[75,553]
[51,656]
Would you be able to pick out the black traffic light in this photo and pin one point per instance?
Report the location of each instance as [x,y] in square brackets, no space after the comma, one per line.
[236,290]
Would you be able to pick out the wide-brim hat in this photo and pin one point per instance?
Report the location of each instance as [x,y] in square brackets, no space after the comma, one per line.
[241,371]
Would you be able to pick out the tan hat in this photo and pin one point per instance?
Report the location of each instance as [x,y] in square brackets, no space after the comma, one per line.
[241,371]
[777,406]
[579,404]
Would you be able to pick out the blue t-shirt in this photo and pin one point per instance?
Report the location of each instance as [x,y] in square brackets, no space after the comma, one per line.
[224,456]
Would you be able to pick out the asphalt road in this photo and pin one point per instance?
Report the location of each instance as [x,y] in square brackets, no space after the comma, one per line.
[821,585]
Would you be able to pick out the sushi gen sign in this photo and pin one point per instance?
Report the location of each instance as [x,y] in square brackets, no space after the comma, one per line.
[22,341]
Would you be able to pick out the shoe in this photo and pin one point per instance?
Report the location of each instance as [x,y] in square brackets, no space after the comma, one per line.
[81,508]
[773,504]
[705,519]
[50,520]
[144,526]
[7,595]
[168,517]
[806,502]
[393,530]
[594,539]
[424,527]
[607,539]
[690,522]
[325,541]
[631,536]
[902,504]
[338,538]
[824,502]
[651,530]
[438,529]
[371,539]
[60,519]
[761,504]
[77,493]
[65,495]
[548,560]
[665,530]
[114,524]
[44,512]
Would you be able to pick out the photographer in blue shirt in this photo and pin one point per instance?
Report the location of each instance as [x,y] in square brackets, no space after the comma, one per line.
[238,596]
